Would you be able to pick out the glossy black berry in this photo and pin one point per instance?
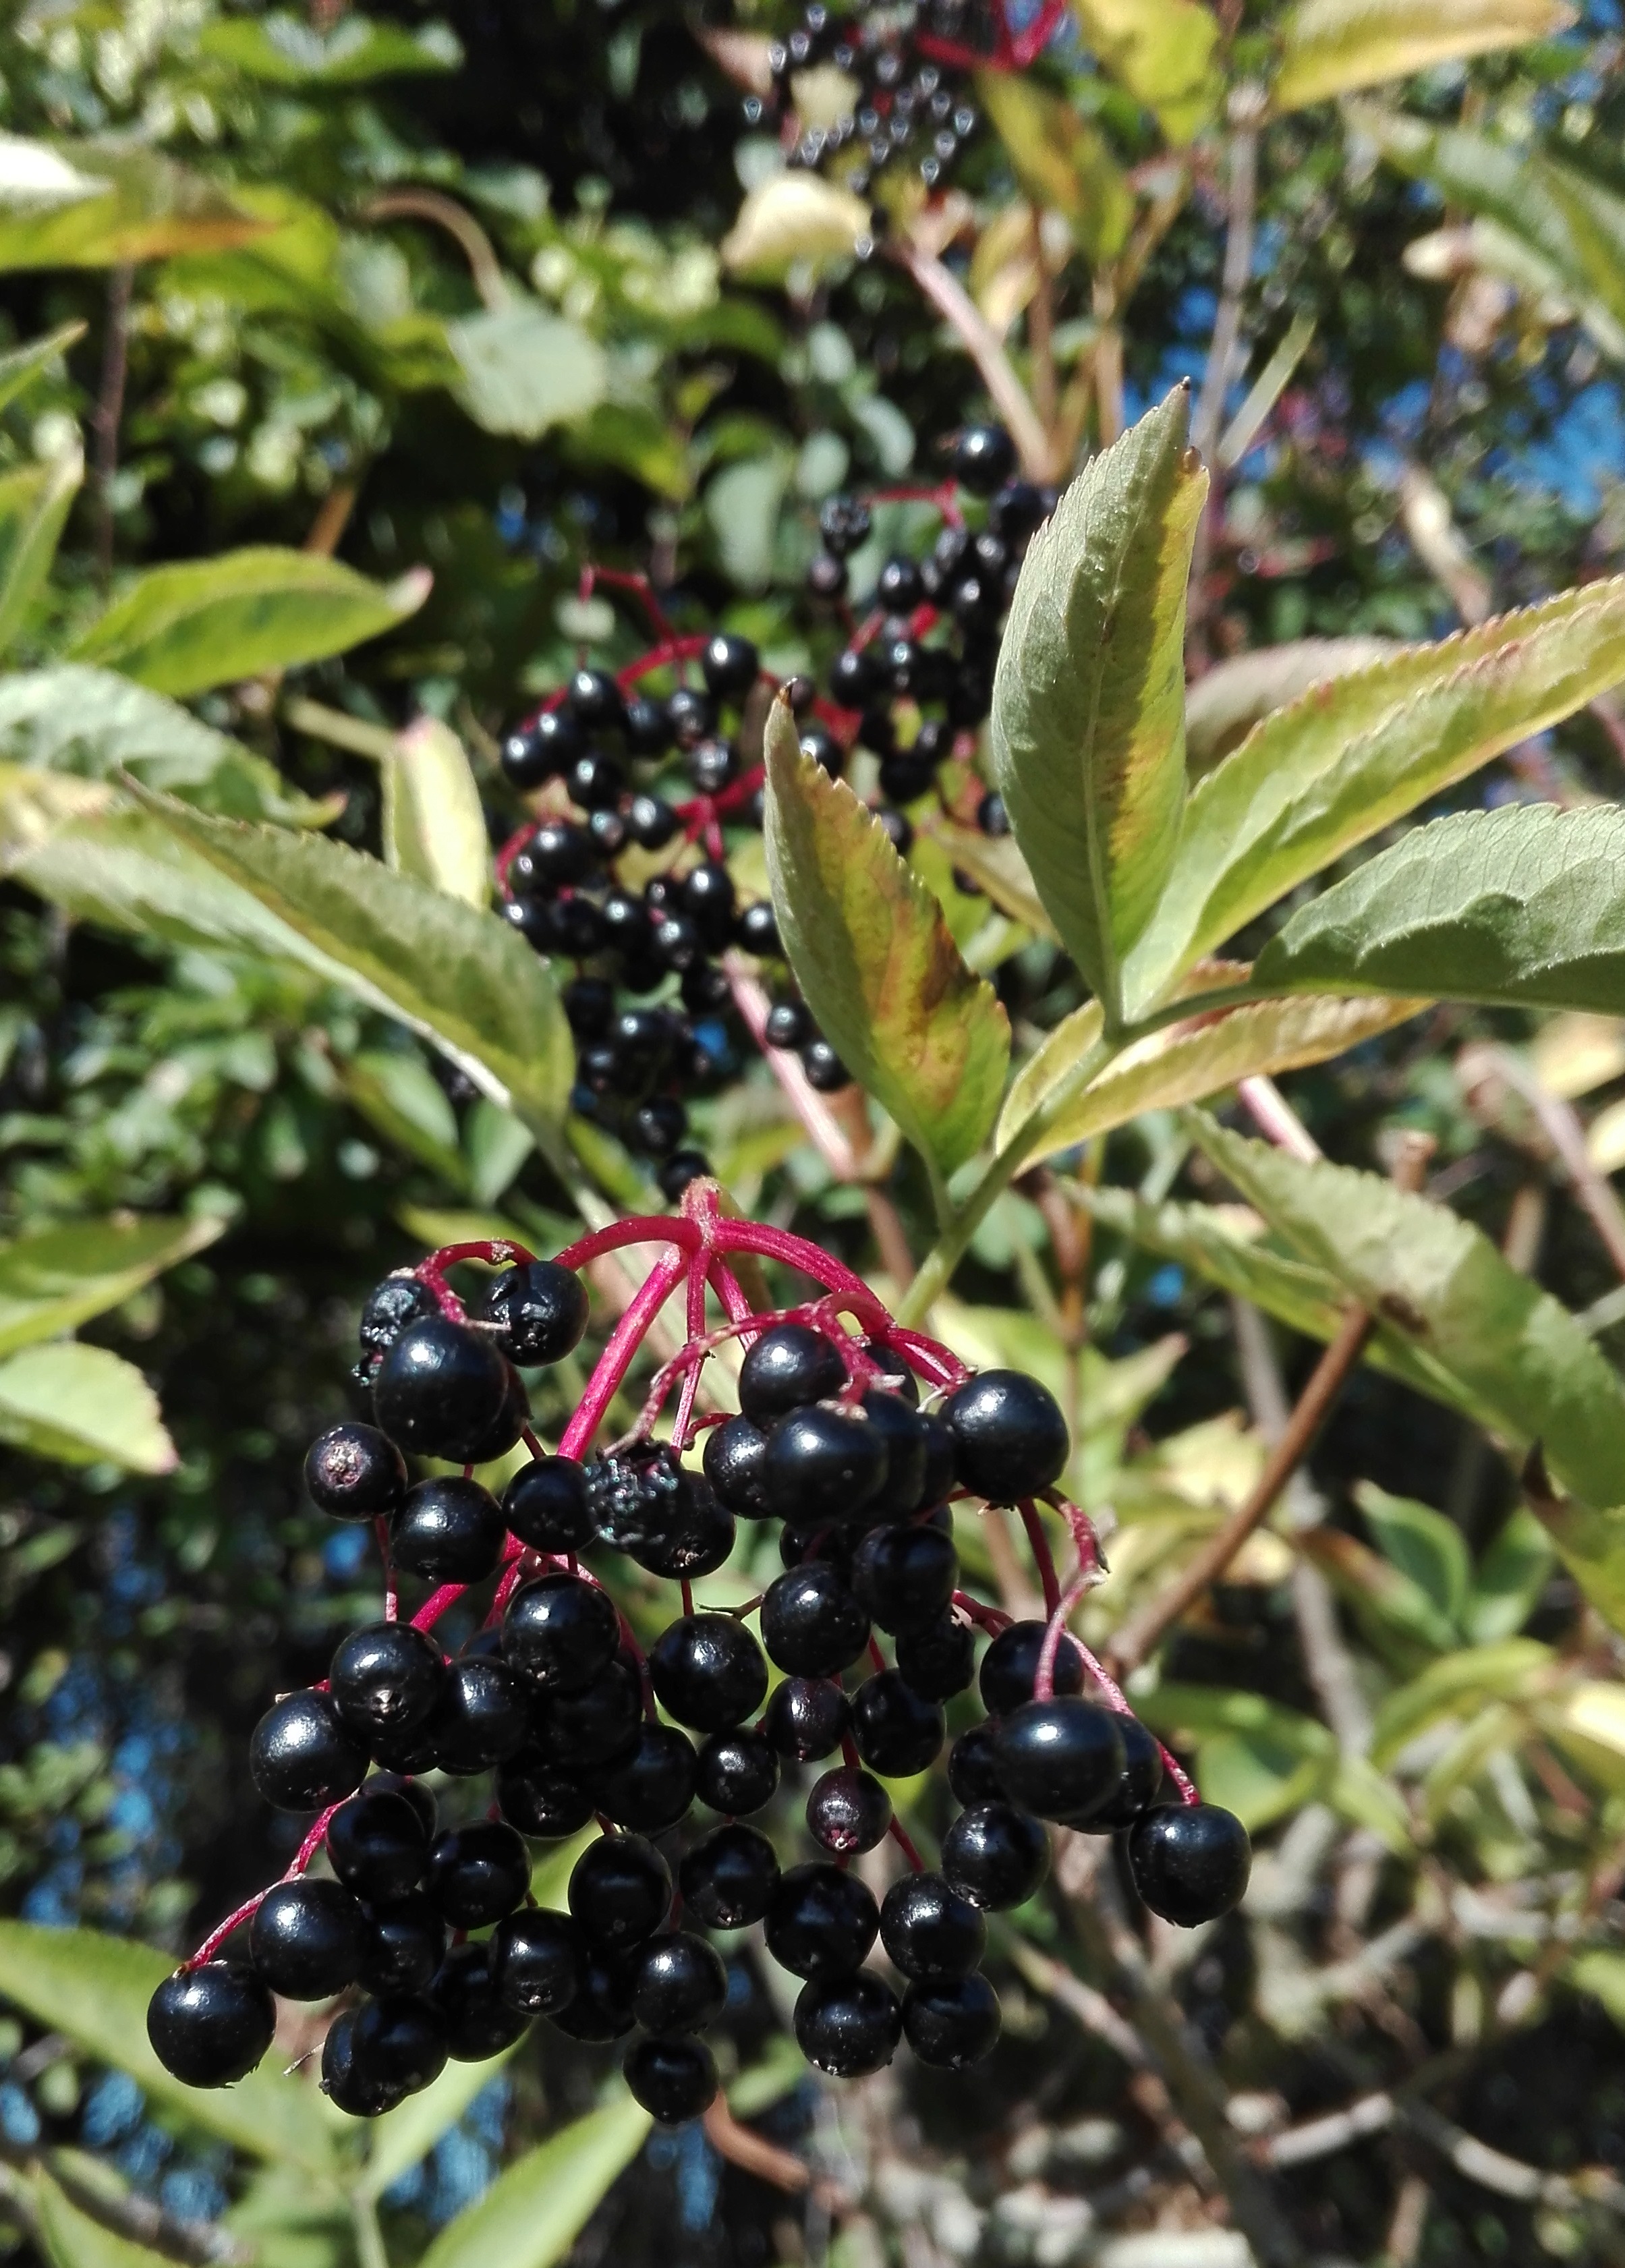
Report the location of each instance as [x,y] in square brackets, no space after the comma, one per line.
[953,2023]
[757,930]
[537,1312]
[904,1575]
[826,576]
[848,1812]
[900,1427]
[820,1921]
[823,748]
[401,2042]
[376,1844]
[1010,1438]
[848,2026]
[441,1391]
[597,781]
[825,1463]
[737,1772]
[676,1173]
[1062,1758]
[712,765]
[355,1472]
[600,1722]
[482,1718]
[972,1765]
[733,1463]
[995,1855]
[727,1880]
[938,1660]
[403,1944]
[594,700]
[678,1984]
[540,1798]
[789,1367]
[938,1480]
[390,1308]
[559,1633]
[620,1890]
[600,2008]
[557,856]
[650,821]
[212,2024]
[302,1755]
[826,1072]
[674,2078]
[1138,1788]
[448,1530]
[844,523]
[929,1931]
[1011,1664]
[477,1873]
[384,1678]
[546,1505]
[478,2022]
[1190,1861]
[650,1789]
[788,1025]
[806,1718]
[538,1959]
[983,459]
[691,715]
[729,666]
[898,1733]
[812,1624]
[636,1497]
[699,1538]
[708,1671]
[539,751]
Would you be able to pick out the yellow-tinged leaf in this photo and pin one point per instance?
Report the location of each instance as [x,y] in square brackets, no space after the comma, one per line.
[1513,1670]
[795,219]
[1575,1053]
[873,956]
[1162,51]
[1062,161]
[98,203]
[1591,1545]
[434,823]
[1222,708]
[1333,47]
[34,503]
[83,1406]
[996,863]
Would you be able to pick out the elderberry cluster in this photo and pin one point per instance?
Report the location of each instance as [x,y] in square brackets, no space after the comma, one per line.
[903,108]
[428,1929]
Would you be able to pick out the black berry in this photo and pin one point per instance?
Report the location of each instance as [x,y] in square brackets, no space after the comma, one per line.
[441,1391]
[937,1661]
[848,1812]
[727,1880]
[848,2026]
[973,1773]
[482,1718]
[824,1463]
[708,1671]
[737,1772]
[733,1461]
[545,1505]
[537,1312]
[538,1959]
[789,1367]
[812,1624]
[906,1576]
[951,2023]
[478,2022]
[1190,1861]
[897,1733]
[678,1984]
[403,1945]
[619,1891]
[995,1855]
[377,1845]
[1010,1438]
[448,1530]
[540,1798]
[674,2079]
[820,1921]
[559,1633]
[478,1874]
[1011,1664]
[1062,1758]
[929,1932]
[302,1755]
[386,1678]
[212,2024]
[1138,1788]
[652,1788]
[807,1718]
[355,1472]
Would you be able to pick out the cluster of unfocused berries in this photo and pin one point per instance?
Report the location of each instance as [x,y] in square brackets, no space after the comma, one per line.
[429,1930]
[660,777]
[903,110]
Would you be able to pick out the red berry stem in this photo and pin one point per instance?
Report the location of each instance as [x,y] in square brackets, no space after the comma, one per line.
[944,496]
[899,1835]
[301,1859]
[993,1619]
[624,1341]
[1042,1558]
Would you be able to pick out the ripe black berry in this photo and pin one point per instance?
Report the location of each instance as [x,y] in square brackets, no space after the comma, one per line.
[820,1921]
[737,1772]
[594,700]
[931,1933]
[212,2024]
[537,1311]
[707,1672]
[1010,1664]
[674,2079]
[972,1765]
[391,1306]
[582,1730]
[906,1576]
[441,1391]
[788,1025]
[757,930]
[539,751]
[448,1530]
[995,1855]
[897,1733]
[691,715]
[546,1504]
[1136,1790]
[652,1788]
[806,1718]
[482,1718]
[398,2043]
[651,821]
[620,1890]
[899,1426]
[540,1798]
[983,459]
[479,2022]
[727,1880]
[826,1072]
[377,1845]
[1190,1861]
[939,1661]
[811,1625]
[824,1462]
[386,1678]
[1010,1438]
[844,522]
[789,1367]
[302,1755]
[355,1472]
[733,1463]
[538,1961]
[1062,1758]
[678,1984]
[848,2026]
[600,2008]
[647,728]
[729,666]
[477,1873]
[402,1945]
[951,2023]
[698,1539]
[559,1633]
[558,855]
[848,1812]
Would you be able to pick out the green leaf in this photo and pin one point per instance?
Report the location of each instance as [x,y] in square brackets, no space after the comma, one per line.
[75,2239]
[1512,1356]
[455,976]
[282,50]
[1509,1580]
[81,1405]
[523,369]
[796,220]
[1602,1975]
[873,955]
[402,2136]
[434,822]
[1182,1063]
[1523,907]
[1222,707]
[1591,1546]
[397,1093]
[1512,1671]
[19,366]
[1089,698]
[1062,160]
[1387,1603]
[55,1280]
[1332,47]
[95,1990]
[1422,1544]
[1258,1759]
[34,503]
[186,628]
[996,863]
[1346,760]
[101,203]
[533,2211]
[97,724]
[1162,51]
[743,503]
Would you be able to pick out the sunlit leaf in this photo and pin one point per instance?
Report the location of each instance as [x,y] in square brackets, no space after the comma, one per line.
[536,2207]
[1509,1580]
[1222,707]
[434,822]
[1332,47]
[1062,159]
[1422,1544]
[524,369]
[19,366]
[1508,1671]
[795,219]
[59,1277]
[98,203]
[1162,51]
[873,957]
[996,863]
[81,1405]
[283,50]
[34,503]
